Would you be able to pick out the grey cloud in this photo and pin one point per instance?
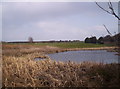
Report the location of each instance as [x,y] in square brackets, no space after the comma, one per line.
[21,13]
[22,18]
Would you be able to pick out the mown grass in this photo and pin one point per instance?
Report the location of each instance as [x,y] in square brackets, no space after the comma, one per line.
[19,69]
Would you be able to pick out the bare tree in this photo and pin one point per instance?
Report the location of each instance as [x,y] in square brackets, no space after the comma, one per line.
[110,11]
[30,39]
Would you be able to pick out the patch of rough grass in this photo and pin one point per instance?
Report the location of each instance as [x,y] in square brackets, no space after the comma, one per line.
[24,72]
[106,75]
[23,50]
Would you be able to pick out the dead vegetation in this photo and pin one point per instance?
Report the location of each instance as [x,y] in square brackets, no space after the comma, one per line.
[20,70]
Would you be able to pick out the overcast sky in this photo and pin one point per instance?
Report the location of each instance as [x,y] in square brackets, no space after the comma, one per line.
[55,20]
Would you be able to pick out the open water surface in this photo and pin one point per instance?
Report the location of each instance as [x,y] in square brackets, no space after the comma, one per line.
[102,56]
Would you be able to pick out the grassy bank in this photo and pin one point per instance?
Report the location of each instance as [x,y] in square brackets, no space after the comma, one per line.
[20,69]
[73,45]
[21,49]
[65,44]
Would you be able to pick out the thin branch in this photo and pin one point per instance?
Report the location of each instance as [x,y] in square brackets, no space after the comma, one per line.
[107,29]
[116,16]
[111,8]
[102,8]
[111,4]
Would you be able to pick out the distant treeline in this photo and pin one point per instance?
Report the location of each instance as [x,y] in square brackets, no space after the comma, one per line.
[52,41]
[104,40]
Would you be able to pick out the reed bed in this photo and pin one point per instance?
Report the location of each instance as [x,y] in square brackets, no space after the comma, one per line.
[19,69]
[24,72]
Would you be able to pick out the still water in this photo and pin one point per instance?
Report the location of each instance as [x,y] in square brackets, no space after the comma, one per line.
[102,56]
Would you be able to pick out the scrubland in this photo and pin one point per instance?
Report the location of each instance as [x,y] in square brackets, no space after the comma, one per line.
[19,69]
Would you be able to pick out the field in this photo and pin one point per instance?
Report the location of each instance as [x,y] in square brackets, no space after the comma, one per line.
[19,68]
[66,44]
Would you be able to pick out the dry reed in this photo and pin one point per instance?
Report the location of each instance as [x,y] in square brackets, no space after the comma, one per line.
[21,70]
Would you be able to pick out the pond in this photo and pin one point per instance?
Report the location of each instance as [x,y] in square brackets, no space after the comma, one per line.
[102,56]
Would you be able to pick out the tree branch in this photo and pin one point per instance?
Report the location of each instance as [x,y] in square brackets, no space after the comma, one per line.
[102,8]
[111,8]
[107,29]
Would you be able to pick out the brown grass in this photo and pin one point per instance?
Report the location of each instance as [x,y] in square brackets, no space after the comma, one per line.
[20,70]
[0,65]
